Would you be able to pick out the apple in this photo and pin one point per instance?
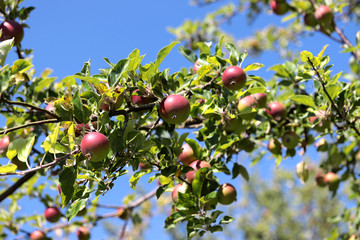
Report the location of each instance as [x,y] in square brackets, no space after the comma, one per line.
[11,29]
[174,109]
[196,66]
[123,212]
[38,235]
[256,100]
[96,145]
[83,233]
[52,214]
[142,99]
[324,14]
[323,124]
[277,110]
[279,7]
[144,166]
[327,28]
[320,179]
[261,99]
[290,140]
[302,171]
[310,20]
[331,178]
[175,191]
[50,107]
[234,78]
[274,146]
[196,165]
[187,155]
[226,194]
[4,144]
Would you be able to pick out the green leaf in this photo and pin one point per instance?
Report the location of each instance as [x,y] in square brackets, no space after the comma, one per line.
[25,150]
[199,179]
[117,72]
[303,99]
[333,90]
[244,173]
[136,177]
[67,180]
[233,52]
[81,111]
[160,190]
[75,207]
[10,168]
[321,53]
[226,220]
[188,54]
[305,56]
[5,47]
[253,67]
[21,66]
[163,53]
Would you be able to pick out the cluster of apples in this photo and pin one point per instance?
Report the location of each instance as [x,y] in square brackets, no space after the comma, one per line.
[226,194]
[322,15]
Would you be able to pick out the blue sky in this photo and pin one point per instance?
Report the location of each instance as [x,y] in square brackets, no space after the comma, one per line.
[65,34]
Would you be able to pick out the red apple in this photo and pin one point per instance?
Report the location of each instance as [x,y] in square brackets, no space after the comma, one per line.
[4,144]
[95,145]
[234,78]
[11,29]
[310,20]
[38,235]
[261,99]
[331,178]
[52,214]
[274,146]
[196,165]
[290,140]
[324,14]
[83,233]
[142,99]
[279,7]
[196,66]
[144,166]
[226,194]
[174,109]
[256,100]
[50,107]
[175,191]
[320,179]
[187,155]
[277,110]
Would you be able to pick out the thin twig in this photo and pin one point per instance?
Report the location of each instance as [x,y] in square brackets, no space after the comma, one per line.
[16,185]
[28,125]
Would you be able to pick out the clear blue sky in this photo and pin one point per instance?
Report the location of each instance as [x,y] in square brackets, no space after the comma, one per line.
[66,33]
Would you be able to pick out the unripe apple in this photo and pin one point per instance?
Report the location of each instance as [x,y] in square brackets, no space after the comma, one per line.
[196,165]
[324,14]
[175,191]
[290,140]
[310,20]
[174,109]
[274,146]
[83,233]
[277,110]
[52,214]
[38,235]
[123,212]
[11,29]
[142,99]
[279,7]
[187,155]
[95,145]
[302,171]
[4,144]
[320,179]
[234,78]
[226,194]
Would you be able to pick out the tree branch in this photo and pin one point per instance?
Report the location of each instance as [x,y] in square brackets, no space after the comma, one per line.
[28,125]
[16,185]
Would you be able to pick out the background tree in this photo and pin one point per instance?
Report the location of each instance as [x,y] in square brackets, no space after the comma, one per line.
[67,142]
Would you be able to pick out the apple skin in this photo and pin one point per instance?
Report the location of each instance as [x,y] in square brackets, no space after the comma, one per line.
[174,109]
[174,194]
[319,178]
[279,7]
[256,100]
[196,66]
[187,155]
[4,144]
[274,146]
[38,235]
[144,166]
[277,110]
[50,107]
[96,145]
[290,140]
[142,99]
[310,20]
[226,194]
[52,214]
[324,14]
[331,178]
[12,29]
[196,165]
[83,233]
[234,78]
[322,125]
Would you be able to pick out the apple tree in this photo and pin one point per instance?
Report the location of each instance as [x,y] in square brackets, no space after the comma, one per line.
[87,130]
